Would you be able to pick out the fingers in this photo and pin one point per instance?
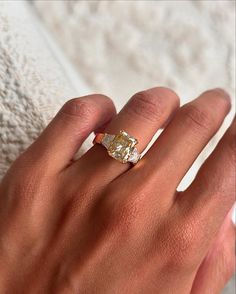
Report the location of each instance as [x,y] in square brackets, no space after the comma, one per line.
[143,115]
[219,264]
[65,134]
[213,191]
[187,134]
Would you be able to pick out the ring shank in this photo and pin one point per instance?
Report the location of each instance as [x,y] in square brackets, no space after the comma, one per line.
[98,138]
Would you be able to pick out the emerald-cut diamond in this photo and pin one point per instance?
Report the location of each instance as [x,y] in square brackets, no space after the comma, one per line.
[122,147]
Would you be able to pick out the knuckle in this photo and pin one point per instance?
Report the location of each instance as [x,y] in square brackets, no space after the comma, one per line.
[104,98]
[82,112]
[197,118]
[79,107]
[105,102]
[147,105]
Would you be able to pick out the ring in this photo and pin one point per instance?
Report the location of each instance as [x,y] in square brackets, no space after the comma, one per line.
[121,146]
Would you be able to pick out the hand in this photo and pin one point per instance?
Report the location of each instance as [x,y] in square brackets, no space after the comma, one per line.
[96,225]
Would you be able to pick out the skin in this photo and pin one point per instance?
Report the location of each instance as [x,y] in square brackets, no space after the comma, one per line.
[95,225]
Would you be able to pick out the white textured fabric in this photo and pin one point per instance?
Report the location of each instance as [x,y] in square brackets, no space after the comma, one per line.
[117,47]
[124,46]
[33,82]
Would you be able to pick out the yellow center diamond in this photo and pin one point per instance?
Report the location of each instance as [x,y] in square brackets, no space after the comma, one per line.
[122,146]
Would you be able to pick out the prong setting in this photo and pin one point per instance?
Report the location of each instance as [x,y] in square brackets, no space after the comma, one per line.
[121,147]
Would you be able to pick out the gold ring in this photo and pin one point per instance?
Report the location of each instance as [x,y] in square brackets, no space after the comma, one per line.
[121,146]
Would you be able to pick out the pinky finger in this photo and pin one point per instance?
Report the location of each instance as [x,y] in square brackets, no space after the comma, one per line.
[56,146]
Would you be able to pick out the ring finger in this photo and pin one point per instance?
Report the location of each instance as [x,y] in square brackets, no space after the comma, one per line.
[142,116]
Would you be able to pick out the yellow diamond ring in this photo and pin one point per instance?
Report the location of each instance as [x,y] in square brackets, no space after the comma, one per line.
[121,146]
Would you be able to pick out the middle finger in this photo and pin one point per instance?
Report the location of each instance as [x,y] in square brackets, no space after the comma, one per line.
[175,150]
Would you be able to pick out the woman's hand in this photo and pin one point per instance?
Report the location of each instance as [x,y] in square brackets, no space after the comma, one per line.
[96,225]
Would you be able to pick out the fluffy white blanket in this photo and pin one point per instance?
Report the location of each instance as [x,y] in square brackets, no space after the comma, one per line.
[35,80]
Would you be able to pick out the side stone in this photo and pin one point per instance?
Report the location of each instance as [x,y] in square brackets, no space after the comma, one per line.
[106,141]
